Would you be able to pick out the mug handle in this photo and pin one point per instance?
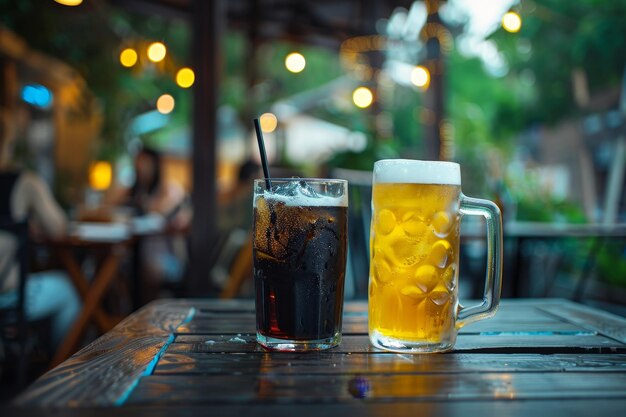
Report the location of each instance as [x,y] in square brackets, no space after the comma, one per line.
[493,280]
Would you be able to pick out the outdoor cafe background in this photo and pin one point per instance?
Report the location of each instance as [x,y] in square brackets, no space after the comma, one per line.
[525,95]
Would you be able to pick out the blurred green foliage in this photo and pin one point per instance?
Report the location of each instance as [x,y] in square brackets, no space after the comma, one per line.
[612,263]
[89,38]
[557,37]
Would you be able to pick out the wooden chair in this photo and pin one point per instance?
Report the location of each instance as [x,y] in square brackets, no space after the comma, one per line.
[240,269]
[13,318]
[359,218]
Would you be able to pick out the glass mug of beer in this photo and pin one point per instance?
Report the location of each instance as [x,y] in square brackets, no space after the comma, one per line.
[299,255]
[414,256]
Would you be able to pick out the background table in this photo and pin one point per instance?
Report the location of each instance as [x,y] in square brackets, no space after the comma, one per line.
[519,235]
[541,357]
[104,243]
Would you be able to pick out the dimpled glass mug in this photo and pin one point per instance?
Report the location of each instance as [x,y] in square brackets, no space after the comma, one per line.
[414,256]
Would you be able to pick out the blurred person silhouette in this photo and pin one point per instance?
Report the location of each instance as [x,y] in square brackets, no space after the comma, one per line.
[235,225]
[236,205]
[24,196]
[162,255]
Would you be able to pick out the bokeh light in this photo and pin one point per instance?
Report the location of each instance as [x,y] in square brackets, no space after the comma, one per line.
[420,76]
[165,104]
[37,95]
[128,57]
[185,77]
[512,22]
[268,122]
[362,97]
[295,62]
[100,175]
[156,52]
[69,2]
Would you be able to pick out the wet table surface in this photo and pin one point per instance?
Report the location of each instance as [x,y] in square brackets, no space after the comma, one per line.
[184,357]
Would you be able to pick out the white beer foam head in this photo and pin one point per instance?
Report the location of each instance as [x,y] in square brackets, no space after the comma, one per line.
[409,171]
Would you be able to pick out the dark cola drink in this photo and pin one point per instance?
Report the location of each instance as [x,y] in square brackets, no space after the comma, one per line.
[300,248]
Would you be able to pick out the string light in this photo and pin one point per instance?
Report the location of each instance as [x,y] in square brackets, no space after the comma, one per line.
[295,62]
[100,175]
[37,95]
[165,104]
[185,77]
[420,77]
[157,52]
[69,2]
[128,57]
[512,22]
[362,97]
[268,122]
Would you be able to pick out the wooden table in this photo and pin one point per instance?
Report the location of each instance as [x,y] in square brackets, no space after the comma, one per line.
[108,247]
[198,357]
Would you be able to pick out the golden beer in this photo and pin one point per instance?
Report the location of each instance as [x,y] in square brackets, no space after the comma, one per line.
[414,246]
[414,256]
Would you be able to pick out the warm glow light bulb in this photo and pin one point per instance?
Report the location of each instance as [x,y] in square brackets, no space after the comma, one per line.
[185,77]
[512,22]
[156,52]
[268,122]
[362,97]
[295,62]
[100,175]
[69,2]
[165,104]
[128,57]
[420,77]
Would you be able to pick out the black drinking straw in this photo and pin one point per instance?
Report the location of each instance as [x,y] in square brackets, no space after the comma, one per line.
[266,169]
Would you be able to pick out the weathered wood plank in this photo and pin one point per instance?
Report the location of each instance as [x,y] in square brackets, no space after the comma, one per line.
[328,363]
[104,371]
[244,343]
[360,306]
[353,306]
[590,318]
[295,389]
[239,324]
[493,360]
[361,408]
[515,318]
[233,324]
[510,314]
[220,325]
[528,343]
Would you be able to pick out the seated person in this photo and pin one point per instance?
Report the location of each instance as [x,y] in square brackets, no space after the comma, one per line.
[24,196]
[162,256]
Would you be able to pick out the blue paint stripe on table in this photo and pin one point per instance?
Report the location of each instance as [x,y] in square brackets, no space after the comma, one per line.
[190,316]
[542,333]
[153,363]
